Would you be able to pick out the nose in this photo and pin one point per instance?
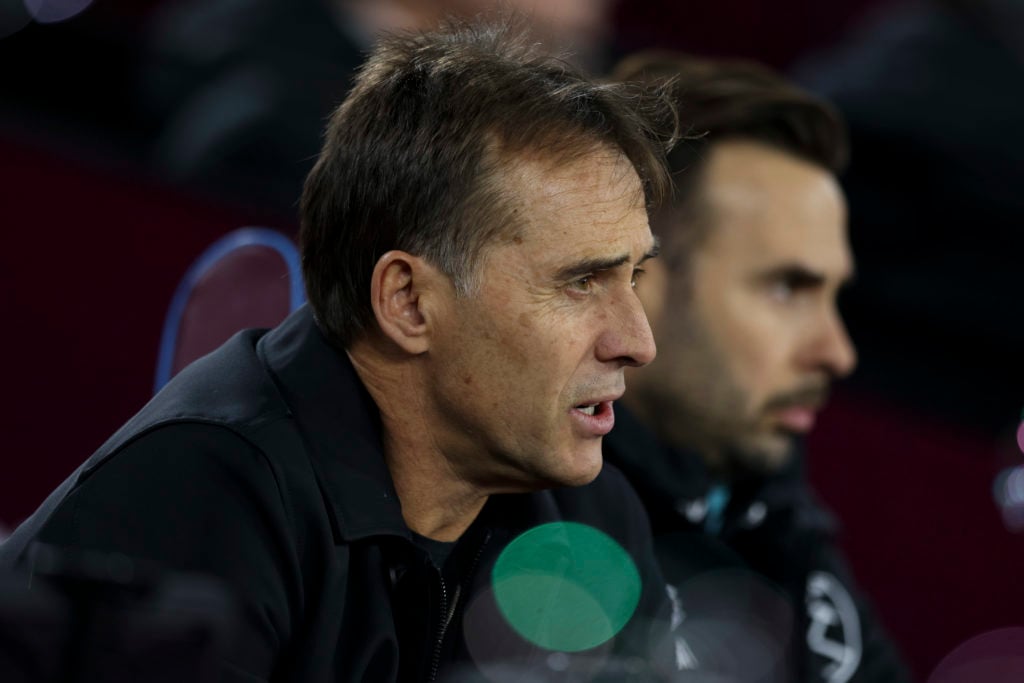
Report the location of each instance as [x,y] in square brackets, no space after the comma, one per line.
[834,351]
[626,337]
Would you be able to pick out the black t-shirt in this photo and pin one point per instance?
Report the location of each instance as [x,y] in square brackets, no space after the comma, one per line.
[439,551]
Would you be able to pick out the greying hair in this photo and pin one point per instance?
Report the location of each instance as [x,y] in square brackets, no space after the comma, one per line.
[413,157]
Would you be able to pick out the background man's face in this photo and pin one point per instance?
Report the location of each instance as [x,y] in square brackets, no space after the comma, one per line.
[749,334]
[527,366]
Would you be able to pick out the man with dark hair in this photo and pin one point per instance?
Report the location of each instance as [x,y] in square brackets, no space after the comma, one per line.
[743,307]
[362,475]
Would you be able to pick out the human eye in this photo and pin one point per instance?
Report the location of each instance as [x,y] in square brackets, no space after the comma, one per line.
[794,285]
[781,290]
[637,274]
[582,285]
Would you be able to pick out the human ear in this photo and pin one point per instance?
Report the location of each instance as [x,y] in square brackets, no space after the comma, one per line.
[397,290]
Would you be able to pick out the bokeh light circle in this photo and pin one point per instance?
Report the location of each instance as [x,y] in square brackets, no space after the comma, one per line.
[1020,436]
[737,625]
[1015,487]
[999,486]
[13,17]
[502,655]
[993,657]
[566,586]
[54,11]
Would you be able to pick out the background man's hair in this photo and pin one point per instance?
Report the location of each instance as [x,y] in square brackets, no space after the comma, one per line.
[721,100]
[413,157]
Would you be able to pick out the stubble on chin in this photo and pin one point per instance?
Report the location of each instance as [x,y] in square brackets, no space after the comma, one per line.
[759,449]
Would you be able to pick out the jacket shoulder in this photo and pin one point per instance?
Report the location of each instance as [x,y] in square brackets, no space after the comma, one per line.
[213,416]
[229,387]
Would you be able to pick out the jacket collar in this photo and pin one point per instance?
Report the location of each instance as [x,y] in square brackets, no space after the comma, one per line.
[653,465]
[671,477]
[340,425]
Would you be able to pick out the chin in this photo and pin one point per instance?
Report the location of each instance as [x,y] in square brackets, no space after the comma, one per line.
[569,467]
[583,479]
[583,466]
[764,454]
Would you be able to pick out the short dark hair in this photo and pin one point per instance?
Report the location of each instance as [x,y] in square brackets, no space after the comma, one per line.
[730,100]
[412,157]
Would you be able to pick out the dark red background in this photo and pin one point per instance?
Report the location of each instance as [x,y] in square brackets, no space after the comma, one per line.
[93,251]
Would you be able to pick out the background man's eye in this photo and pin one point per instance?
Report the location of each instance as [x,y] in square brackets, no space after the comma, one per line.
[636,276]
[781,291]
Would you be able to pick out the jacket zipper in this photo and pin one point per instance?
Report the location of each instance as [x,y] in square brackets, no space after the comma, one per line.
[447,612]
[446,618]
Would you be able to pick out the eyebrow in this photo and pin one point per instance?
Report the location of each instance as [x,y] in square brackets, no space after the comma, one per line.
[800,276]
[596,265]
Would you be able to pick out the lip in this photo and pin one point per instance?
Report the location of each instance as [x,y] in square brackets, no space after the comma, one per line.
[798,419]
[598,424]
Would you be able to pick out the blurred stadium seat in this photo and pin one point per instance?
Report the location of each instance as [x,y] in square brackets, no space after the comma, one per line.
[249,278]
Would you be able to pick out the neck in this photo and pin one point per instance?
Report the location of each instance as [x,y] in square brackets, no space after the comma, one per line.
[437,501]
[676,431]
[438,507]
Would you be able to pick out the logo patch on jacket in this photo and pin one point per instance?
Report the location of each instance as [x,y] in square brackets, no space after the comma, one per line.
[833,630]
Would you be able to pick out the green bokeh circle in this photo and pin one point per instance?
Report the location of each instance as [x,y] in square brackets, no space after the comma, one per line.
[566,586]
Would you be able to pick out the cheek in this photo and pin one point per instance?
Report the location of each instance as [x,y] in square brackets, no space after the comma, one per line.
[526,355]
[749,339]
[553,356]
[755,371]
[762,364]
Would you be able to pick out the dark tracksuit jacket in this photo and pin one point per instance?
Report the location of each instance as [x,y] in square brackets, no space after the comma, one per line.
[261,464]
[765,592]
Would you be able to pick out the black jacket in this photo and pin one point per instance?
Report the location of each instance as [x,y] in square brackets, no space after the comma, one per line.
[755,566]
[262,464]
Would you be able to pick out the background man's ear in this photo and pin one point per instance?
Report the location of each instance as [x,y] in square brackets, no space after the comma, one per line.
[397,292]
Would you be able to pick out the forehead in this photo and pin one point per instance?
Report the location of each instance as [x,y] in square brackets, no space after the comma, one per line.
[592,202]
[765,207]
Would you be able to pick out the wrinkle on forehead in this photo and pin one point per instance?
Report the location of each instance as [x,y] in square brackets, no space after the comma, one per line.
[597,182]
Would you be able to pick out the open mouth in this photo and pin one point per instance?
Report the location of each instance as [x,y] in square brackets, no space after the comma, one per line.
[595,419]
[597,409]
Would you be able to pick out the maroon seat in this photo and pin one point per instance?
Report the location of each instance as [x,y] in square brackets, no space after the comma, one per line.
[248,278]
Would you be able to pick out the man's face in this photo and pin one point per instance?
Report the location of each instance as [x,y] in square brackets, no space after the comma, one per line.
[525,369]
[749,332]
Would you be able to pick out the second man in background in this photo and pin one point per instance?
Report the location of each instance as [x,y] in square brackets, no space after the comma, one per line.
[743,308]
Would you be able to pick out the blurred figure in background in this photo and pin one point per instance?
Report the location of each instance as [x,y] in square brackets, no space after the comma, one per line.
[241,87]
[933,95]
[743,304]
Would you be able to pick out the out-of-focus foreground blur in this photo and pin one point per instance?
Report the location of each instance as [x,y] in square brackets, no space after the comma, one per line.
[135,134]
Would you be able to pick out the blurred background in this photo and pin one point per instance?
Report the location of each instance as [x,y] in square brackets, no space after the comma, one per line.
[133,134]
